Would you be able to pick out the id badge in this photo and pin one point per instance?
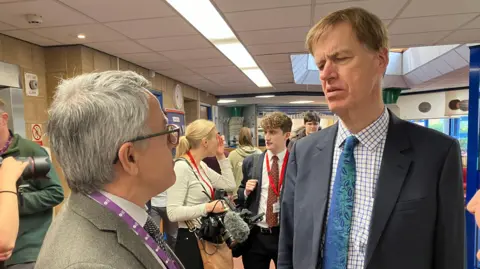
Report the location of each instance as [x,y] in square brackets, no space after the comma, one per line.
[276,207]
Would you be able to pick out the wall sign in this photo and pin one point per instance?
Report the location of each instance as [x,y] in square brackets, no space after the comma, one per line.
[31,84]
[37,134]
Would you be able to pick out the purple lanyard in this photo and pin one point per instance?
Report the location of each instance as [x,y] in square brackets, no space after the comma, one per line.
[137,228]
[5,147]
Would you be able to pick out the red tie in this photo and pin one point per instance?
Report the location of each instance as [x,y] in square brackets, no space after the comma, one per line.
[272,218]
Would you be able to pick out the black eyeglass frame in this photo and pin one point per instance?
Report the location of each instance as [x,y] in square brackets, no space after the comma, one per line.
[143,137]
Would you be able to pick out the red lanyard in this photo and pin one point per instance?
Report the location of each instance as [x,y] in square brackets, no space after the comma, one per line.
[276,189]
[192,160]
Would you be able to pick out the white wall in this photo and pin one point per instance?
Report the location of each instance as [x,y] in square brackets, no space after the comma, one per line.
[408,104]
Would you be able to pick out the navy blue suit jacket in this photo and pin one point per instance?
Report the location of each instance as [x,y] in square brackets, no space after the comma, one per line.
[418,213]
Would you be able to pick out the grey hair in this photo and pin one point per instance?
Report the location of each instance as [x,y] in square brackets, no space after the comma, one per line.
[91,116]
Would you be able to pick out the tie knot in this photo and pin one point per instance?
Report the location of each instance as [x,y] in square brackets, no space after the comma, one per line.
[350,143]
[275,158]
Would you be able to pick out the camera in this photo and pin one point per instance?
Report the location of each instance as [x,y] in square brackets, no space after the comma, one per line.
[232,227]
[38,167]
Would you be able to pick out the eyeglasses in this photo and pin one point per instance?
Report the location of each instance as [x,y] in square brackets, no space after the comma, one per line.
[173,132]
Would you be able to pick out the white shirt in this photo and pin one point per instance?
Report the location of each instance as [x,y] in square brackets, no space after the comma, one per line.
[262,206]
[368,159]
[137,213]
[160,200]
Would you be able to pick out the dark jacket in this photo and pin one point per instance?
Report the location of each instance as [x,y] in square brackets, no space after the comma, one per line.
[39,197]
[301,134]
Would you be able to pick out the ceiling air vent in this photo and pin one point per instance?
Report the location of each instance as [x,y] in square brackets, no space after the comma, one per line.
[424,107]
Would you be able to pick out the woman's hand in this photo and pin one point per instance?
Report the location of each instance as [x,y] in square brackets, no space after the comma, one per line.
[220,147]
[216,206]
[10,171]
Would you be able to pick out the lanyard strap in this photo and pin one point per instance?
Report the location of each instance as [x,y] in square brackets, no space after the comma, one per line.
[276,189]
[136,227]
[192,160]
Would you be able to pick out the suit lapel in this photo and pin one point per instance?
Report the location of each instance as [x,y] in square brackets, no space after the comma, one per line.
[258,190]
[321,166]
[394,168]
[106,220]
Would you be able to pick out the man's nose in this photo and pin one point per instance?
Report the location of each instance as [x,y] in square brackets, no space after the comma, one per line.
[329,71]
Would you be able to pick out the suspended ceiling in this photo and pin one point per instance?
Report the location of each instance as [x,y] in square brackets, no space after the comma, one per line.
[151,34]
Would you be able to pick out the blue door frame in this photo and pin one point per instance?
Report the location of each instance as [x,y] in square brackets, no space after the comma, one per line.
[209,111]
[472,150]
[159,96]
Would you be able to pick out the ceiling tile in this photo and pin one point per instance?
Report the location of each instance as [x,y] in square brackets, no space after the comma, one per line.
[420,8]
[120,10]
[163,66]
[278,73]
[429,24]
[385,9]
[462,36]
[277,66]
[281,79]
[31,37]
[188,78]
[475,24]
[4,26]
[420,39]
[149,28]
[118,47]
[243,5]
[68,34]
[53,13]
[215,70]
[273,58]
[296,47]
[206,63]
[269,18]
[289,87]
[176,43]
[174,70]
[146,57]
[193,54]
[296,34]
[227,77]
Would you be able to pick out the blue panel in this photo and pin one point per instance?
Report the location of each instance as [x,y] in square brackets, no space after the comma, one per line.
[472,150]
[159,96]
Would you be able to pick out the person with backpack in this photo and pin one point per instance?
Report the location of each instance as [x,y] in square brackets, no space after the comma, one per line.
[236,157]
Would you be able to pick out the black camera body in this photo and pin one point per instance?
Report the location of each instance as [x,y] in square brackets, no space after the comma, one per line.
[213,228]
[38,167]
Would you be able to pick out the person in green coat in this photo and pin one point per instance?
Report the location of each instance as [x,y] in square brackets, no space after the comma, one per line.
[236,157]
[39,197]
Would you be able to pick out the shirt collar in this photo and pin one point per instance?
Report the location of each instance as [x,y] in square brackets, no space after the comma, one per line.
[370,137]
[280,155]
[136,212]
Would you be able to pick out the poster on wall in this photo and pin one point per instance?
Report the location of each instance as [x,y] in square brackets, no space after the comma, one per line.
[176,117]
[31,84]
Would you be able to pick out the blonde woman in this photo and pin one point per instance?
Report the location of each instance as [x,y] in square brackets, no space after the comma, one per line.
[191,196]
[236,157]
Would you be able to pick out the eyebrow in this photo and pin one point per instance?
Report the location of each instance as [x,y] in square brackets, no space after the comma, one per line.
[335,54]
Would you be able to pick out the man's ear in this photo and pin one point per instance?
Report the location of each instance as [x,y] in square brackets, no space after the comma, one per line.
[128,159]
[287,135]
[384,59]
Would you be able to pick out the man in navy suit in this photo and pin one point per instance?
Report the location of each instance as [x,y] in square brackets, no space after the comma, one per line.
[263,176]
[372,191]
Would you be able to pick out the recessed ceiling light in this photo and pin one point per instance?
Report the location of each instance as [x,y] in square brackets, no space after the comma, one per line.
[226,101]
[207,20]
[301,102]
[265,96]
[81,36]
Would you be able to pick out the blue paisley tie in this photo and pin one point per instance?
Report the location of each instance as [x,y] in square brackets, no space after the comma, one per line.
[335,252]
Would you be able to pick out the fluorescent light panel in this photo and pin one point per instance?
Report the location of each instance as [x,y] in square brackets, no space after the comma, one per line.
[301,102]
[206,19]
[226,101]
[265,96]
